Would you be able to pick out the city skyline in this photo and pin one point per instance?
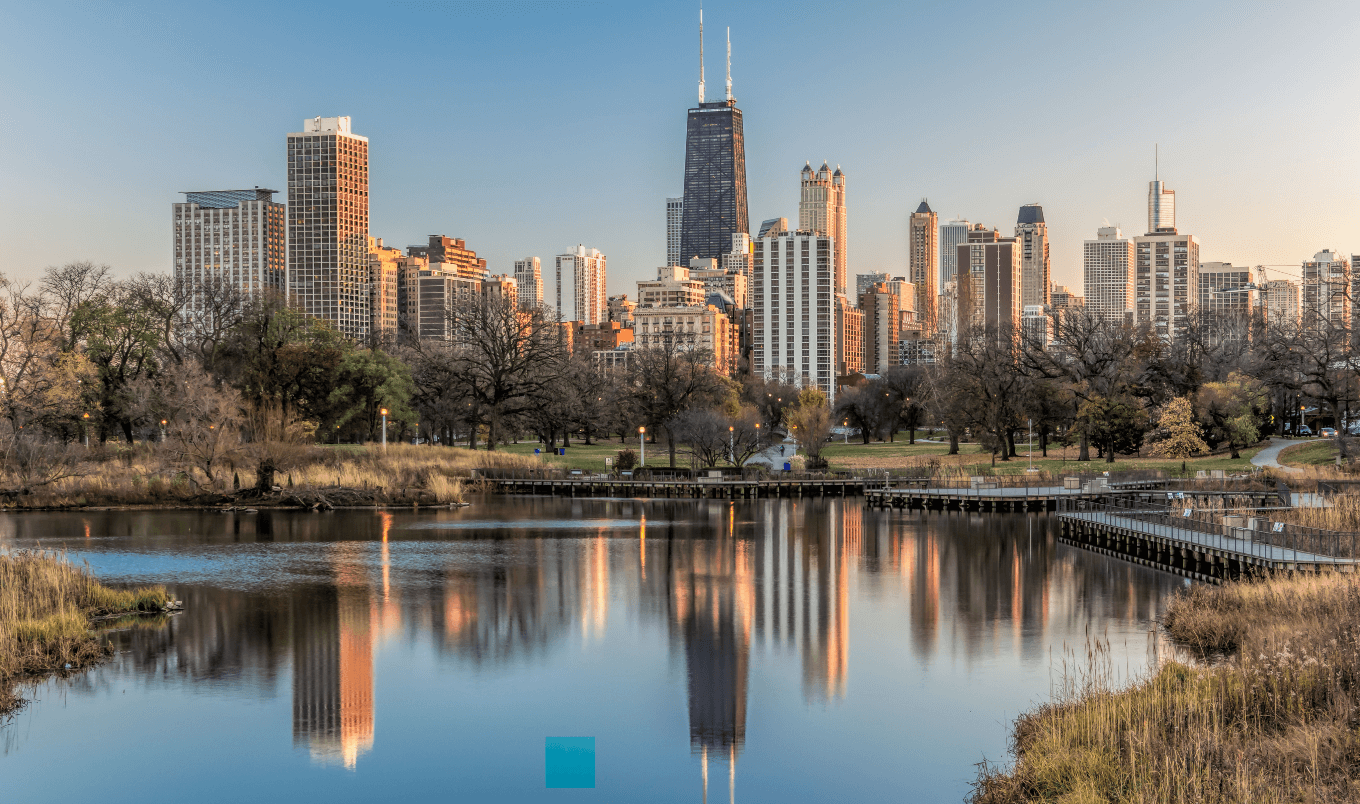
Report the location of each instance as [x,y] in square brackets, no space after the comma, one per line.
[1232,187]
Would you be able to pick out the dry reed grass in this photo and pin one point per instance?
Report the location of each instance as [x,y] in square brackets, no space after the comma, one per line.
[1273,718]
[143,475]
[45,608]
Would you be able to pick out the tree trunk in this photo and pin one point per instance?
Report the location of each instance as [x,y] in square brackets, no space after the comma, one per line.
[1084,451]
[953,443]
[264,475]
[1010,444]
[566,438]
[912,438]
[1003,439]
[472,436]
[587,431]
[1109,455]
[670,444]
[1043,443]
[491,427]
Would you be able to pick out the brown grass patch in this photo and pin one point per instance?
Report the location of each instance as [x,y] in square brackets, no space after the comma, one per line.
[1272,721]
[45,608]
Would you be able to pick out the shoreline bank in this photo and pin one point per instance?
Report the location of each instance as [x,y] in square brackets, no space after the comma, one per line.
[1265,714]
[48,607]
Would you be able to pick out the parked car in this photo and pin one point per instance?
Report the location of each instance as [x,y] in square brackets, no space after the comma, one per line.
[1327,432]
[1304,430]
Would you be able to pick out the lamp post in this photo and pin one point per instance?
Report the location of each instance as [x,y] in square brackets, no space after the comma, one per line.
[86,428]
[731,445]
[845,428]
[163,423]
[642,444]
[384,415]
[1030,424]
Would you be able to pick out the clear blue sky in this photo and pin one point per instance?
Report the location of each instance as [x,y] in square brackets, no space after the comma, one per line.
[528,126]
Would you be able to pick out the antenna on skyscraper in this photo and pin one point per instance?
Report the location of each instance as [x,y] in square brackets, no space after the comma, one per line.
[701,52]
[1156,148]
[729,63]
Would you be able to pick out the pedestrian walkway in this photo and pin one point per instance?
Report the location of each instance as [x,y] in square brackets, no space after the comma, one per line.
[1270,456]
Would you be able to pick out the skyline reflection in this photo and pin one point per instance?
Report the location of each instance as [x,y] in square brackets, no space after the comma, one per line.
[732,585]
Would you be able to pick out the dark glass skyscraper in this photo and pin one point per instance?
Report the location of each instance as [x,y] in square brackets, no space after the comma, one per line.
[715,181]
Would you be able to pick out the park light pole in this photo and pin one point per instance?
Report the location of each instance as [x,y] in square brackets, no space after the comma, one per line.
[642,444]
[731,446]
[163,423]
[845,428]
[1030,424]
[384,415]
[86,419]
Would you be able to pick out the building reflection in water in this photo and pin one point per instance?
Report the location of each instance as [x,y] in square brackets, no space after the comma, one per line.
[725,578]
[333,664]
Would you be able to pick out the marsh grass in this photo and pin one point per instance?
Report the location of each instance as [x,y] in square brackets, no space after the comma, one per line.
[141,475]
[1269,712]
[46,604]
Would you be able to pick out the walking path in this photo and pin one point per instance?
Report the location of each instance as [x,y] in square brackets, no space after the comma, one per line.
[1271,454]
[1261,548]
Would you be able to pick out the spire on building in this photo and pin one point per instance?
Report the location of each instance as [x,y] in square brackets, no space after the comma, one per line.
[729,64]
[701,52]
[924,208]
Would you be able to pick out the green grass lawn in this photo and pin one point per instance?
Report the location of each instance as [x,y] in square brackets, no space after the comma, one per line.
[1315,453]
[591,458]
[845,456]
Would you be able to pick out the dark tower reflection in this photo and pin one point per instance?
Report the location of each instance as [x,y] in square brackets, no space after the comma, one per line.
[713,599]
[333,667]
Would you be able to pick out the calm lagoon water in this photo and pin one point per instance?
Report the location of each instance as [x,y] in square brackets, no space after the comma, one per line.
[773,650]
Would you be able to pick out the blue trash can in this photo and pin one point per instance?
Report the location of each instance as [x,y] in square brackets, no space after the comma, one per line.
[788,467]
[561,450]
[537,451]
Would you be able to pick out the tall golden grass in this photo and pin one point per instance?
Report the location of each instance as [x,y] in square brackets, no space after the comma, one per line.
[143,475]
[45,608]
[1270,715]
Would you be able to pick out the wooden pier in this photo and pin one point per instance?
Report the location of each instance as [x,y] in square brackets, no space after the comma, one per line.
[701,489]
[1200,550]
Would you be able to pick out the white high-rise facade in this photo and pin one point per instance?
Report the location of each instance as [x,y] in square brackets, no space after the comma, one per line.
[794,327]
[328,270]
[1107,274]
[1032,234]
[587,266]
[1166,269]
[1325,287]
[529,282]
[952,233]
[821,208]
[236,236]
[675,218]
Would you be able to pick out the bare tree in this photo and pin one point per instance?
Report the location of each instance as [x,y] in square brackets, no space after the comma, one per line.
[504,357]
[669,378]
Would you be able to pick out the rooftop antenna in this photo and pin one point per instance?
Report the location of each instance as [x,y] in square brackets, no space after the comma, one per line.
[1156,148]
[701,52]
[729,63]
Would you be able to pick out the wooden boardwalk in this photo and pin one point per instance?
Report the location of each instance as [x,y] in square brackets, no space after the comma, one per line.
[704,488]
[1200,550]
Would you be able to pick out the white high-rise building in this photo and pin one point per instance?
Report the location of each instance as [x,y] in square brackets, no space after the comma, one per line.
[675,217]
[587,268]
[234,235]
[1166,268]
[1032,234]
[1325,287]
[821,208]
[1282,303]
[1107,274]
[794,325]
[328,270]
[952,233]
[529,279]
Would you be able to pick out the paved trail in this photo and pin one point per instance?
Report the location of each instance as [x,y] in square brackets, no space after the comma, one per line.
[1271,454]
